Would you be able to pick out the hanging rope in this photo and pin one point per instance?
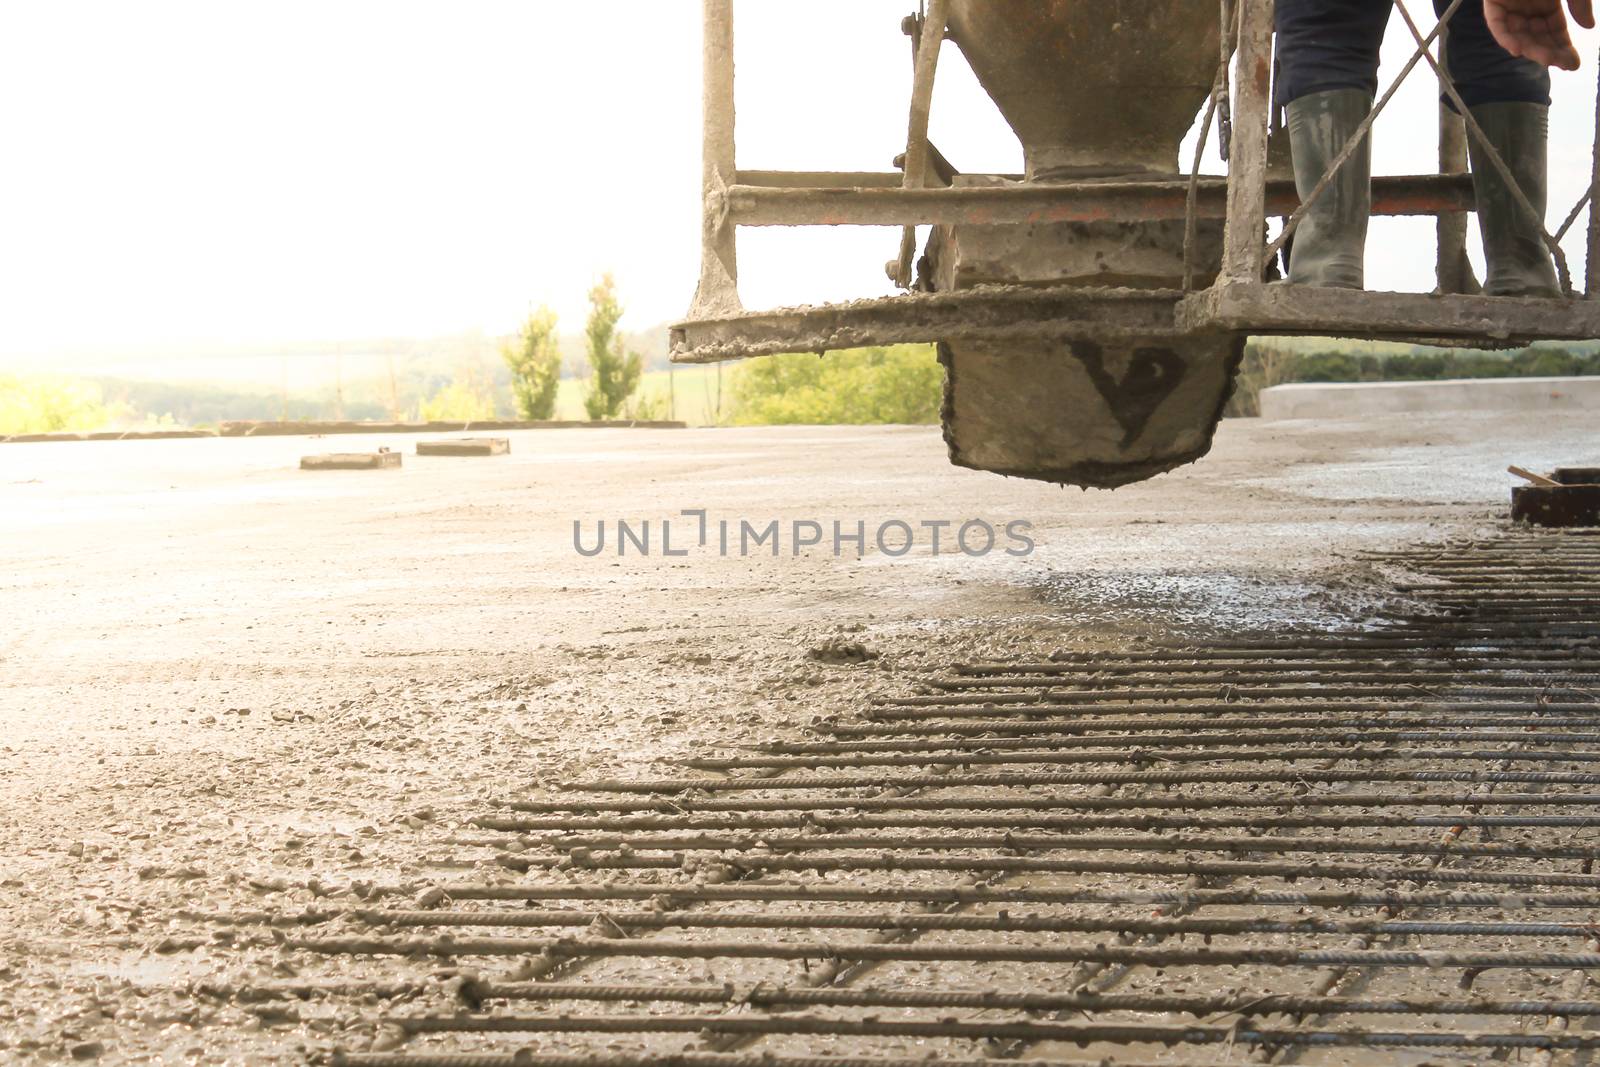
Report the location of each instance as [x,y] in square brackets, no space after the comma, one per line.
[1215,106]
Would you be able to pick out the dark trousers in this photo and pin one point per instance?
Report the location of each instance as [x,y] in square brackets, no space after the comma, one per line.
[1333,44]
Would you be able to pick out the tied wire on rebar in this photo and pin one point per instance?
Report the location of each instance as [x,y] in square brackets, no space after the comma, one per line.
[961,875]
[527,1057]
[1079,1033]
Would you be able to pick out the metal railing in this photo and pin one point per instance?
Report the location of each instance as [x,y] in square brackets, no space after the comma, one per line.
[1246,200]
[1252,22]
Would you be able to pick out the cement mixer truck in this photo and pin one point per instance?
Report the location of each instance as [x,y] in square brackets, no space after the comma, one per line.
[1090,313]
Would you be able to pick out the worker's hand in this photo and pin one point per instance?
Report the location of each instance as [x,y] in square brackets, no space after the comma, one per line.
[1537,29]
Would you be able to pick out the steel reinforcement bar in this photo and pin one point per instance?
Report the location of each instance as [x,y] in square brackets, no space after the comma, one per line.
[915,830]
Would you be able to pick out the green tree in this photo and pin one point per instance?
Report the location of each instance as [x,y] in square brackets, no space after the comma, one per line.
[903,384]
[457,402]
[613,372]
[1551,363]
[49,403]
[535,363]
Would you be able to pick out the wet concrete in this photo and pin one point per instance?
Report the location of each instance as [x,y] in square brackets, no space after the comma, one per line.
[226,683]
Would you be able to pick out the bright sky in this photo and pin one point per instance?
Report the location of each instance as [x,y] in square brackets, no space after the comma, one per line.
[189,174]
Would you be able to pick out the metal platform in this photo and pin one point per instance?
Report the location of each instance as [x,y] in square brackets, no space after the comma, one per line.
[928,191]
[777,198]
[994,313]
[1424,318]
[1018,313]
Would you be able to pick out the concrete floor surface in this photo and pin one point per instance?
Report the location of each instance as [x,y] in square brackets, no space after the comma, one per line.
[227,683]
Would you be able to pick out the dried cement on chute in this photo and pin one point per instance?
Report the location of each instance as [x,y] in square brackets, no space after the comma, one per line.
[1102,91]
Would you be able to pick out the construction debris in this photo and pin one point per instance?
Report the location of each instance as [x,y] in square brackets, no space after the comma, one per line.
[466,446]
[1567,497]
[382,459]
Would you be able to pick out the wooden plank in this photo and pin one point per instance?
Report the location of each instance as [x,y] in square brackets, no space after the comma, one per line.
[1527,475]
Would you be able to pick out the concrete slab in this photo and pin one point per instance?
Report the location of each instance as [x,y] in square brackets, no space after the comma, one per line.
[108,435]
[466,446]
[1337,400]
[352,461]
[307,429]
[254,667]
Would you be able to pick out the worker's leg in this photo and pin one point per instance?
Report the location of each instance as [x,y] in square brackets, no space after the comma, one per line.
[1510,98]
[1327,78]
[1326,45]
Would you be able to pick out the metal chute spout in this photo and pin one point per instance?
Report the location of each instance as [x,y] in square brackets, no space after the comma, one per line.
[1094,89]
[1093,86]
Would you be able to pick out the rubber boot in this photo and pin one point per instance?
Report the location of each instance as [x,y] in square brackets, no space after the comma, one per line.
[1331,241]
[1513,248]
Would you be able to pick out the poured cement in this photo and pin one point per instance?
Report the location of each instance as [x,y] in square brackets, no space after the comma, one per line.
[227,686]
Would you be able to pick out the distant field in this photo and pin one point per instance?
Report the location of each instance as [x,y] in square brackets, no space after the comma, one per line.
[850,388]
[694,400]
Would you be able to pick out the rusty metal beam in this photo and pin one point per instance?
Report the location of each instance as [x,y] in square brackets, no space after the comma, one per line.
[1021,313]
[718,291]
[1242,255]
[824,179]
[817,201]
[1453,272]
[999,313]
[916,157]
[1591,271]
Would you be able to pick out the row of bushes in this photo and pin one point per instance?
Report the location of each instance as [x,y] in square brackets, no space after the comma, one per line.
[47,403]
[902,384]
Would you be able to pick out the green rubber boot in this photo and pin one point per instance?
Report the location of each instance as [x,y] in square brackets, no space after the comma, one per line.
[1513,248]
[1330,243]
